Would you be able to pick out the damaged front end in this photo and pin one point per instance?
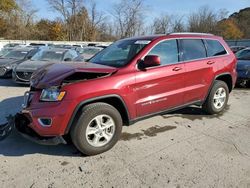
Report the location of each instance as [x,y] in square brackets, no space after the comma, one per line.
[58,74]
[46,109]
[20,122]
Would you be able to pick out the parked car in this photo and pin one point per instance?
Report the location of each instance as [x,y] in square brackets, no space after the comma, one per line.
[24,70]
[5,51]
[88,52]
[14,57]
[237,48]
[38,44]
[243,67]
[11,45]
[64,46]
[101,45]
[151,75]
[239,42]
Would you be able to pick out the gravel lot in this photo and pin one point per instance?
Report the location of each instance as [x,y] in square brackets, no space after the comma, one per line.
[183,149]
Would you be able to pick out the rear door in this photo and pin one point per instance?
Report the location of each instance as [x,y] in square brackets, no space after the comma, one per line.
[160,88]
[201,63]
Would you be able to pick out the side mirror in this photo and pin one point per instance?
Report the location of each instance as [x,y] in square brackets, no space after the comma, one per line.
[29,57]
[68,59]
[151,61]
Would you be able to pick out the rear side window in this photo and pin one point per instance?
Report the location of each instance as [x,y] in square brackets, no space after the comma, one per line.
[192,49]
[167,51]
[214,48]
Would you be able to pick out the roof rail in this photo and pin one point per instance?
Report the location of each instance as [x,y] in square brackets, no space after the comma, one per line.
[191,33]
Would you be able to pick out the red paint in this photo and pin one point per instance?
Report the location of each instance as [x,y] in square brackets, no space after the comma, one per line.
[143,91]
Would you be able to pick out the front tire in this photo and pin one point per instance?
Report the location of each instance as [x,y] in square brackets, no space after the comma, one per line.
[217,98]
[98,128]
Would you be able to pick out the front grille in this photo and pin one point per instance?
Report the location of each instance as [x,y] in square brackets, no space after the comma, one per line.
[2,71]
[25,76]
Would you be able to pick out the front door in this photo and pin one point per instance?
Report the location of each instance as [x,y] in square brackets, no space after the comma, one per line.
[160,88]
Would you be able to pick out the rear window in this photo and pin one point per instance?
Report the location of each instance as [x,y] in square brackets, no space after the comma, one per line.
[192,49]
[214,48]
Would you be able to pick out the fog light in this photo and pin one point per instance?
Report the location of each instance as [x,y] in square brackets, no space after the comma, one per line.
[45,122]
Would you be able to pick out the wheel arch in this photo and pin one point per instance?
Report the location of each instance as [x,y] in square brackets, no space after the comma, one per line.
[114,100]
[227,78]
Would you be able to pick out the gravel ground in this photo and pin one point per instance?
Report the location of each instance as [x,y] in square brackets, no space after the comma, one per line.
[183,149]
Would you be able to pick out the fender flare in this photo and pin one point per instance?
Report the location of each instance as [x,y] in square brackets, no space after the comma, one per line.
[215,78]
[84,102]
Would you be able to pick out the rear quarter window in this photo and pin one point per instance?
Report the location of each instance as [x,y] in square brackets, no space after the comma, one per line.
[215,48]
[192,49]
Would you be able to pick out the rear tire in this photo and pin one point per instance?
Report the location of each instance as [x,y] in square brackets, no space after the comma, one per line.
[217,98]
[98,128]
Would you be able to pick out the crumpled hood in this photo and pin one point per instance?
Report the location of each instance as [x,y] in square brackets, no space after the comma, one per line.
[31,66]
[53,75]
[243,64]
[6,61]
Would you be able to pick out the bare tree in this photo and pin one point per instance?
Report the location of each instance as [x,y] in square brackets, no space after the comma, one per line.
[21,21]
[162,24]
[96,19]
[203,20]
[177,24]
[129,17]
[68,10]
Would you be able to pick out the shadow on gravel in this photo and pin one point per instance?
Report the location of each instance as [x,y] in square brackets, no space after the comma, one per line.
[150,132]
[193,113]
[16,145]
[10,106]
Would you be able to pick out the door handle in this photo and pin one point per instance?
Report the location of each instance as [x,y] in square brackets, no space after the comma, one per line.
[210,62]
[177,68]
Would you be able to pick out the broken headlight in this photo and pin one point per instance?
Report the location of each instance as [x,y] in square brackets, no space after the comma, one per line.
[52,95]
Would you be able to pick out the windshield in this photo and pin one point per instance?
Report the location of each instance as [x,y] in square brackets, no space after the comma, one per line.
[243,54]
[119,53]
[16,54]
[5,51]
[48,55]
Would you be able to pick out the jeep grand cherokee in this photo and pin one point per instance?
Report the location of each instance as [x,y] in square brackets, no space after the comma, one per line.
[131,79]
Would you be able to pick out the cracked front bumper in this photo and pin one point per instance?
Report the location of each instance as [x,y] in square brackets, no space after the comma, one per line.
[22,126]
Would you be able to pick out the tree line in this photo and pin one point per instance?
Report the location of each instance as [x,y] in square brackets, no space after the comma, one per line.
[80,20]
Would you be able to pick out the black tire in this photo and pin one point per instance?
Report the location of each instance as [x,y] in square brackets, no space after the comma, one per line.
[88,113]
[209,105]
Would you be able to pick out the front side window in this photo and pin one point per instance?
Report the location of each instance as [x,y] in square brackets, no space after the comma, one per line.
[214,48]
[167,51]
[192,49]
[119,53]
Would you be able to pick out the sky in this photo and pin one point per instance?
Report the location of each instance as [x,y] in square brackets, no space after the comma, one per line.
[155,8]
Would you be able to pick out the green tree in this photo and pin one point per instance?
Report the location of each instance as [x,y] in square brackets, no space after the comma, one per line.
[229,30]
[242,19]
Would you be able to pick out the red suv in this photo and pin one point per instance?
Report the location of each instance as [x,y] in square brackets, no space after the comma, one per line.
[132,79]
